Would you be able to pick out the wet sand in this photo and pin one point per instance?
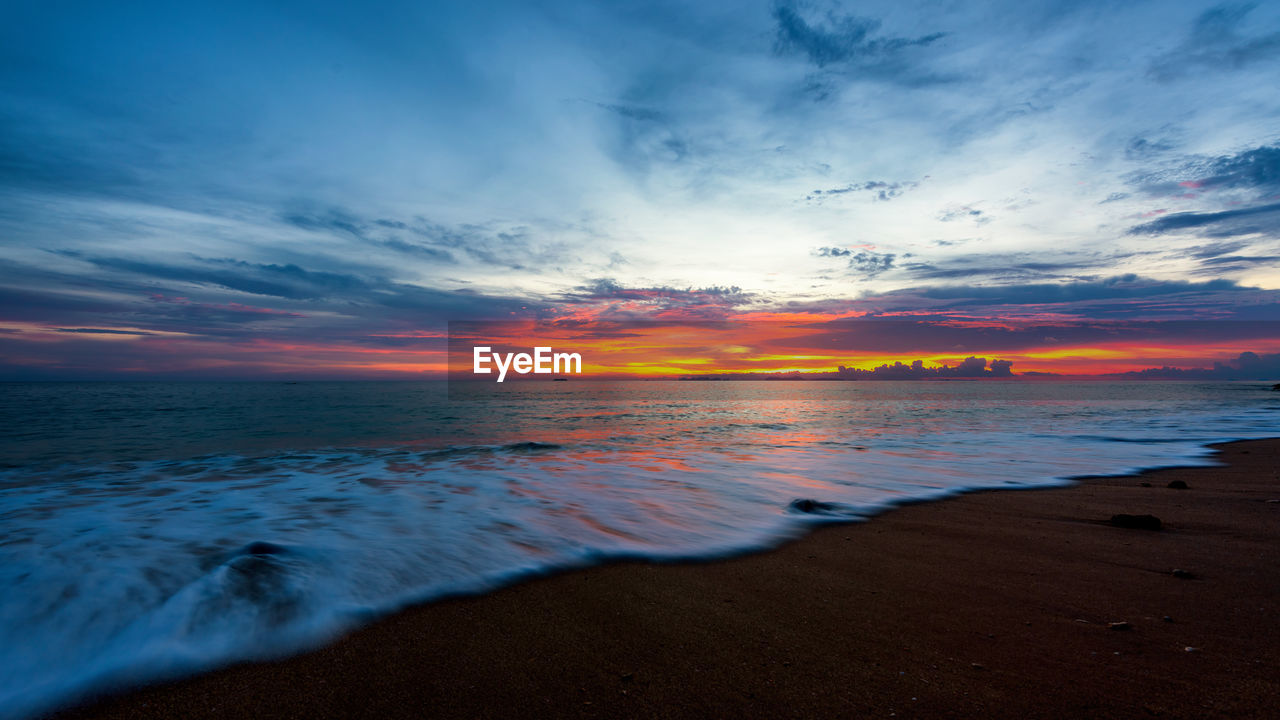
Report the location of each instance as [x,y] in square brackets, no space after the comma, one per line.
[994,604]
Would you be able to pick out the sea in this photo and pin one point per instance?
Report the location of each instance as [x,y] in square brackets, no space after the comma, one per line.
[154,530]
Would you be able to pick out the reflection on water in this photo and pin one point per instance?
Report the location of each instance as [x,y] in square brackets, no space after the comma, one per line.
[152,529]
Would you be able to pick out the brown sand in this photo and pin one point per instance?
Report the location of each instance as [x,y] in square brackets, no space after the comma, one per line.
[991,604]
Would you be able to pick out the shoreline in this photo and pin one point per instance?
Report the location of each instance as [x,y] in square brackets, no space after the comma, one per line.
[984,603]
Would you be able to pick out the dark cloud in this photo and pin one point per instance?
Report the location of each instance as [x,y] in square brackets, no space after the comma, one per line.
[865,263]
[970,367]
[644,136]
[1142,148]
[281,281]
[1118,287]
[208,295]
[934,336]
[514,248]
[101,331]
[1255,171]
[1213,250]
[848,48]
[1248,366]
[332,220]
[837,39]
[1263,219]
[610,289]
[1227,256]
[1236,263]
[52,304]
[1215,42]
[1255,168]
[617,302]
[1111,298]
[878,189]
[419,249]
[1015,267]
[982,266]
[870,264]
[203,314]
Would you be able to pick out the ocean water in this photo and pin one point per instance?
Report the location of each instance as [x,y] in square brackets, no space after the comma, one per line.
[149,530]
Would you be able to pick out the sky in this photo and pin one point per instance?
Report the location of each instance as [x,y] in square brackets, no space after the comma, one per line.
[317,189]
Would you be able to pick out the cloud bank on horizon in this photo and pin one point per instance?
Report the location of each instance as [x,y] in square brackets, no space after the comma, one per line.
[208,189]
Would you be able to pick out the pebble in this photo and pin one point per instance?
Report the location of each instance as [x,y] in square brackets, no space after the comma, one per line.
[1119,626]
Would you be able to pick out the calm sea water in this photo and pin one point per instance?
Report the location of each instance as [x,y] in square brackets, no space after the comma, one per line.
[155,529]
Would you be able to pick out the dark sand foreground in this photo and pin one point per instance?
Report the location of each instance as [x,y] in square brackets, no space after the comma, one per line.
[991,604]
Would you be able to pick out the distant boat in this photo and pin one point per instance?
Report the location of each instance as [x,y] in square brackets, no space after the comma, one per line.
[559,379]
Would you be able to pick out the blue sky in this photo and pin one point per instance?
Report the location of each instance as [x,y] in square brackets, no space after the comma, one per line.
[244,170]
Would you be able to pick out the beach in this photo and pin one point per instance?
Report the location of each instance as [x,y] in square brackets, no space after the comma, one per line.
[1011,603]
[729,360]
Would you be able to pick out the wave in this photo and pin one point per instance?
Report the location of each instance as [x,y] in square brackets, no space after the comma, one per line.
[124,573]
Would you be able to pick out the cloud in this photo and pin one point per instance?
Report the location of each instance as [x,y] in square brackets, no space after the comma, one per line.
[221,312]
[1237,263]
[844,48]
[377,300]
[1141,148]
[1246,221]
[1247,366]
[837,39]
[1007,267]
[870,264]
[101,331]
[644,136]
[1255,168]
[1122,286]
[1213,250]
[1222,257]
[878,189]
[970,367]
[610,289]
[1255,171]
[864,261]
[606,300]
[963,212]
[512,247]
[1215,43]
[283,281]
[949,336]
[1109,298]
[1119,297]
